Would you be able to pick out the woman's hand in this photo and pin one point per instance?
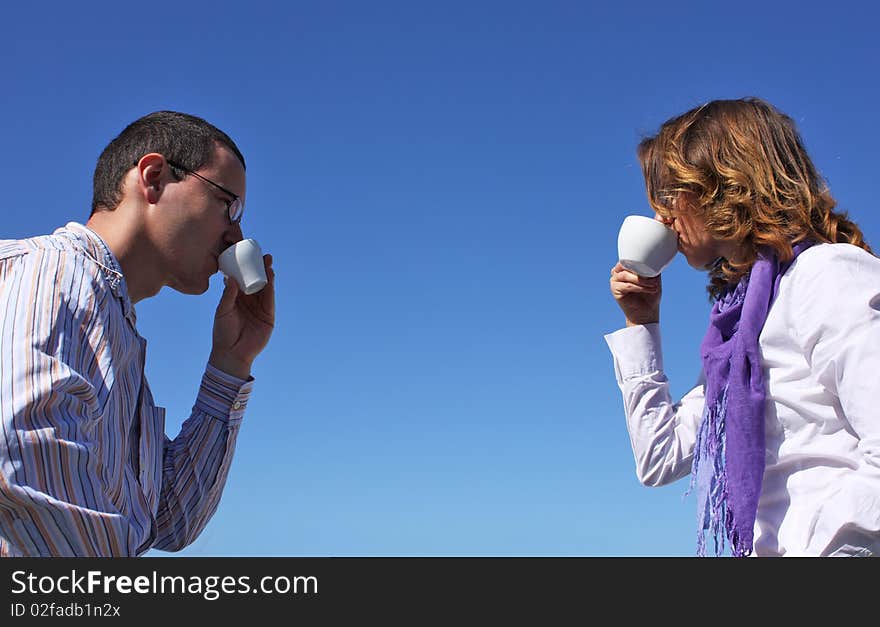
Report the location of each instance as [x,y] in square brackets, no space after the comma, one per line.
[638,297]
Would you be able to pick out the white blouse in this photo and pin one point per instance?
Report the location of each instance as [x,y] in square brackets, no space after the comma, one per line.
[820,349]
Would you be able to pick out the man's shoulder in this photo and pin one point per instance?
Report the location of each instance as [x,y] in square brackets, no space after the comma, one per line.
[10,248]
[58,241]
[56,256]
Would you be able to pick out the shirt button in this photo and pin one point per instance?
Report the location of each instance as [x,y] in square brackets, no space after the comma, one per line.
[236,405]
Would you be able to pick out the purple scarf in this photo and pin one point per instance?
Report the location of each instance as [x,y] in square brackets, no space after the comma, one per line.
[728,466]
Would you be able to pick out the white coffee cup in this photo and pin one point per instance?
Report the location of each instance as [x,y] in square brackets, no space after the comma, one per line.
[645,246]
[243,262]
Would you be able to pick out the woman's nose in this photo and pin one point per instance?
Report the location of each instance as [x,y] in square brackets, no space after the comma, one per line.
[659,218]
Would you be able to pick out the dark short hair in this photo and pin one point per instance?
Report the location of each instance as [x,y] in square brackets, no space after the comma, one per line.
[185,139]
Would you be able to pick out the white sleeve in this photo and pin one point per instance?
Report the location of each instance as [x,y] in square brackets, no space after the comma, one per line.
[836,321]
[662,433]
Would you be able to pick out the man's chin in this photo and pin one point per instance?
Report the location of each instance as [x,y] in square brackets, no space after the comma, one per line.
[191,288]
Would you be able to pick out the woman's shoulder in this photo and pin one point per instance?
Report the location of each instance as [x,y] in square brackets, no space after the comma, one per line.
[828,259]
[833,278]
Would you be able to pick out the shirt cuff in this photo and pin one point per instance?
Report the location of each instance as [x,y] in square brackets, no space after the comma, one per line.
[637,351]
[222,395]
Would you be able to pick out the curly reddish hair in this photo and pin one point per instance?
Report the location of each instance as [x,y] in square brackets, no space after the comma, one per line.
[744,166]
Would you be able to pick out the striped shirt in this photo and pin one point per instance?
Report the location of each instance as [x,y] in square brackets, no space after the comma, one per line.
[85,466]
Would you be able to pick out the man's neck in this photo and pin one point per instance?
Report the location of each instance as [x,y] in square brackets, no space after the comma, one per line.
[126,239]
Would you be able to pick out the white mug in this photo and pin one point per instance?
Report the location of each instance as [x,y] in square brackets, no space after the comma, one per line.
[243,262]
[645,246]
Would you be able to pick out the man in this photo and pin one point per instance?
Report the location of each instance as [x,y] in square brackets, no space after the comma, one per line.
[85,466]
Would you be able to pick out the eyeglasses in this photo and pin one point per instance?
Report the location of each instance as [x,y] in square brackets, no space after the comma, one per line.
[234,207]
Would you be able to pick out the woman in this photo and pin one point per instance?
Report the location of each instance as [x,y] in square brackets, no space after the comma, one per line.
[781,435]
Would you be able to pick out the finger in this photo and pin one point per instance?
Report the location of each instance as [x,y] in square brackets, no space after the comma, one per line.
[629,288]
[620,271]
[632,278]
[270,272]
[624,274]
[267,296]
[623,289]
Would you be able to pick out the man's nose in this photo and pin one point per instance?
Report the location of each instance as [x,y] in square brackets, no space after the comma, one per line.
[233,234]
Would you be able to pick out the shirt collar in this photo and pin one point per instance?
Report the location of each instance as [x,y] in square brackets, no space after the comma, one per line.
[97,249]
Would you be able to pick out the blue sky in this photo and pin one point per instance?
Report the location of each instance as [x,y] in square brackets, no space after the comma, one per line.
[440,185]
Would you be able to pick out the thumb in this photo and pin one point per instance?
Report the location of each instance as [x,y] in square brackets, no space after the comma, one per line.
[227,299]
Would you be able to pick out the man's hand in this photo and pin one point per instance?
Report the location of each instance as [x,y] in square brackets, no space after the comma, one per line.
[243,325]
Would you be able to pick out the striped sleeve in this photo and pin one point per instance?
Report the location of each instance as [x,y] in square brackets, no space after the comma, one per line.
[53,500]
[196,463]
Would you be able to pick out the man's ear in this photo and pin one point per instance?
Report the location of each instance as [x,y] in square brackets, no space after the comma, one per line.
[153,172]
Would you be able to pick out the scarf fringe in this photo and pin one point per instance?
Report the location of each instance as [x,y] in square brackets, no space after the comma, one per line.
[709,478]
